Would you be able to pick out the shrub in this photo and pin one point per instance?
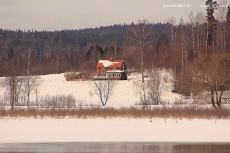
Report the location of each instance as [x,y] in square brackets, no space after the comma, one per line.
[59,101]
[70,76]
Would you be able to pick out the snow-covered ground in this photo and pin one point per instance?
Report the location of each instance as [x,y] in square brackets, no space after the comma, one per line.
[124,93]
[118,129]
[115,129]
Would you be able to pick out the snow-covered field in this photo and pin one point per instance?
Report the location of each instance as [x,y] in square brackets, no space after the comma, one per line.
[114,129]
[124,93]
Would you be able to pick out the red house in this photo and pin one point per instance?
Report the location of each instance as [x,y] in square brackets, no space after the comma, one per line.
[112,69]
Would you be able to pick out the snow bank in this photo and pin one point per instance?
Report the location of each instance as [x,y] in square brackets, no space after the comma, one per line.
[119,129]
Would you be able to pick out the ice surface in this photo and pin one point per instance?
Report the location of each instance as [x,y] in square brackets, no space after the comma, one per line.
[119,129]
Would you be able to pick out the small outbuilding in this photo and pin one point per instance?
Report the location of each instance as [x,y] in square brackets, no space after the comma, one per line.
[81,75]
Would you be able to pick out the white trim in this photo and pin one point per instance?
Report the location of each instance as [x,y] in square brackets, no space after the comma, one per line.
[115,71]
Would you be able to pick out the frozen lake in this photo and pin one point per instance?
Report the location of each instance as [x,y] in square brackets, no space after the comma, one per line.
[115,147]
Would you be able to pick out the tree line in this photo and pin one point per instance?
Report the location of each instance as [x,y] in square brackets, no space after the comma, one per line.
[68,47]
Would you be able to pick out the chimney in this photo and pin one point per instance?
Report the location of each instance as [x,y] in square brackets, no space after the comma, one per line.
[111,59]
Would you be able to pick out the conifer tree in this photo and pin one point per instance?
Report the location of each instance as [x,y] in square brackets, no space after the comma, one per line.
[228,29]
[211,23]
[228,15]
[11,79]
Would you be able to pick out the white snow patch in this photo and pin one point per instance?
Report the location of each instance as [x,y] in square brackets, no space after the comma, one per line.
[107,63]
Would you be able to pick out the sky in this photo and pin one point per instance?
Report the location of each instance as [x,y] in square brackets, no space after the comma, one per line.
[54,15]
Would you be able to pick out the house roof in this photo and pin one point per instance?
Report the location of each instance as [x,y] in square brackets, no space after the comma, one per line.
[110,63]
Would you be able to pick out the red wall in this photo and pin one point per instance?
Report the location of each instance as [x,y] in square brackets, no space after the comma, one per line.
[106,69]
[109,69]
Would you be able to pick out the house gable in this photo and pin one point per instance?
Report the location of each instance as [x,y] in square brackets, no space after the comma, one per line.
[109,65]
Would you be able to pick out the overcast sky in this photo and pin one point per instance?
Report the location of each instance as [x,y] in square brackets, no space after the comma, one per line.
[74,14]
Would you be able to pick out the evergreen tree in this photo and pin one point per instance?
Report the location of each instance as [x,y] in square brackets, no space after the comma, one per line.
[228,30]
[11,79]
[212,23]
[228,15]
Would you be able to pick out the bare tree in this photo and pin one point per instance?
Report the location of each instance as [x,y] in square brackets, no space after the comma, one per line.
[141,90]
[103,89]
[11,81]
[141,35]
[184,51]
[200,19]
[30,82]
[171,22]
[154,87]
[14,87]
[149,92]
[192,23]
[211,74]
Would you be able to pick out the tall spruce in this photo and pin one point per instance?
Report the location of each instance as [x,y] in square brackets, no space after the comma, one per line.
[11,77]
[211,24]
[228,15]
[228,30]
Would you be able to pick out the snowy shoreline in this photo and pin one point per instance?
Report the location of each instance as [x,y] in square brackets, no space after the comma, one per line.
[18,130]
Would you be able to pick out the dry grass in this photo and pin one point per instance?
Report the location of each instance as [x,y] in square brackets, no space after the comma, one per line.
[177,112]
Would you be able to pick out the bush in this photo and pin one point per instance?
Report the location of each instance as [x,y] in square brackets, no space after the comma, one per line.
[70,76]
[59,101]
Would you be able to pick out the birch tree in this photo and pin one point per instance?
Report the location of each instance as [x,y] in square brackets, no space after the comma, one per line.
[31,82]
[141,35]
[171,22]
[192,23]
